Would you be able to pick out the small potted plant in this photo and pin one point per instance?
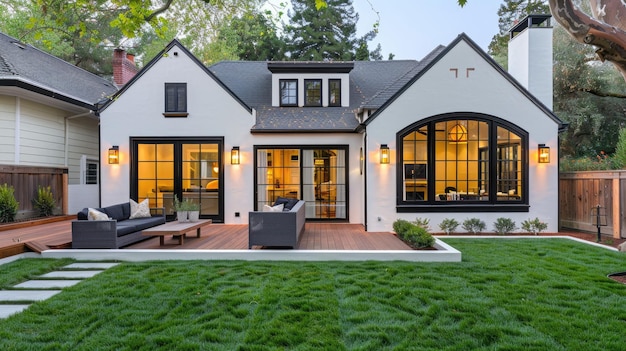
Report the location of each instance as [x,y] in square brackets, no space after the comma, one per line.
[181,208]
[193,211]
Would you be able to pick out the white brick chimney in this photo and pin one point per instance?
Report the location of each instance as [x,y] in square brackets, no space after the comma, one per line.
[530,56]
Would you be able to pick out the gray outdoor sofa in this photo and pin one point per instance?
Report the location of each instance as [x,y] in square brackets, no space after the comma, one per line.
[277,229]
[114,233]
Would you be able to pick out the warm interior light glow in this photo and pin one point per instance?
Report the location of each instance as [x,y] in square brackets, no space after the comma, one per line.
[114,155]
[544,153]
[234,155]
[457,134]
[384,154]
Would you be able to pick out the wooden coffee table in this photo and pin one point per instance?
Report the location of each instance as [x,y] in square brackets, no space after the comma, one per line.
[176,229]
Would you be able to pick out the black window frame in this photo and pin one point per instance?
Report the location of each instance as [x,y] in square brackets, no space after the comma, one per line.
[492,205]
[337,103]
[295,92]
[317,95]
[175,108]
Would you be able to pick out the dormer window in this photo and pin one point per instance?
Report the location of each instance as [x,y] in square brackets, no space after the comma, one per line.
[288,92]
[310,84]
[313,92]
[334,92]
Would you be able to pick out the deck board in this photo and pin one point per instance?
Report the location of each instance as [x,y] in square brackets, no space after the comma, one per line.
[316,236]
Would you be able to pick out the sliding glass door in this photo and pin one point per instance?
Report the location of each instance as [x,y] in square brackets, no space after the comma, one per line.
[315,175]
[164,170]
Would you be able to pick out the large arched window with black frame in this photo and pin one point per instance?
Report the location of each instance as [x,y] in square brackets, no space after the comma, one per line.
[462,162]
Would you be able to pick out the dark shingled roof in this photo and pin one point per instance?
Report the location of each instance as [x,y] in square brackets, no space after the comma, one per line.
[370,83]
[33,69]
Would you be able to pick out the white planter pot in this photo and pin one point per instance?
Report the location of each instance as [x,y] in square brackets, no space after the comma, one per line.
[182,216]
[194,216]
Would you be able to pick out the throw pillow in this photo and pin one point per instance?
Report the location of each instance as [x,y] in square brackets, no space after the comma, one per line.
[288,202]
[95,215]
[277,208]
[139,210]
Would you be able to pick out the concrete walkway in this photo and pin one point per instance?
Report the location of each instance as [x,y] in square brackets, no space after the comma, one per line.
[22,295]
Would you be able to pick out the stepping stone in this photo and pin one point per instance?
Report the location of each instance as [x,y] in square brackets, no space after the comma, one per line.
[71,274]
[91,265]
[27,295]
[47,284]
[7,310]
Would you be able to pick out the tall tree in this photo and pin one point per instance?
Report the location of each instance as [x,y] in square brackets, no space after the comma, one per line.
[325,34]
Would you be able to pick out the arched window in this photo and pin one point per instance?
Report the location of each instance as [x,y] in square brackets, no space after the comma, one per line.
[462,162]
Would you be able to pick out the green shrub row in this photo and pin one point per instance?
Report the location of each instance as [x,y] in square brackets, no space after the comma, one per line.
[44,202]
[501,226]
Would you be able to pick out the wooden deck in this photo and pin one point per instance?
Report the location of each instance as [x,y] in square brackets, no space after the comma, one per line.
[316,236]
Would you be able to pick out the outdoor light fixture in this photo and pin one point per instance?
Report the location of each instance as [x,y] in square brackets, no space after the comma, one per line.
[457,134]
[234,155]
[384,154]
[544,153]
[114,155]
[361,160]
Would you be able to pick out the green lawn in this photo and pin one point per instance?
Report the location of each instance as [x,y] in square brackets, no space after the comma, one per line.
[513,294]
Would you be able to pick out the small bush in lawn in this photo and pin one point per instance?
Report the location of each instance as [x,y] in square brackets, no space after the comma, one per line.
[504,226]
[449,225]
[534,226]
[8,204]
[418,237]
[474,225]
[44,202]
[423,222]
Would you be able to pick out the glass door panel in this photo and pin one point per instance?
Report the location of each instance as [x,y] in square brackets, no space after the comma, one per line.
[200,171]
[155,175]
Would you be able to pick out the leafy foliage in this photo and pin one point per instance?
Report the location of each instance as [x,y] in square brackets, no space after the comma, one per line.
[44,201]
[8,203]
[414,234]
[449,225]
[474,225]
[620,151]
[534,226]
[504,226]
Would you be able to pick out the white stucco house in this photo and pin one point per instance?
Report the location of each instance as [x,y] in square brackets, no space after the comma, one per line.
[450,136]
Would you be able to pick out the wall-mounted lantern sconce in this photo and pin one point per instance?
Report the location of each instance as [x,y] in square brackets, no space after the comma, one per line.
[234,155]
[114,155]
[544,153]
[384,154]
[361,160]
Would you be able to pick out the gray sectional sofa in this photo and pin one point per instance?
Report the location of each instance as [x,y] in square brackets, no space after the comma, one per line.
[114,233]
[278,229]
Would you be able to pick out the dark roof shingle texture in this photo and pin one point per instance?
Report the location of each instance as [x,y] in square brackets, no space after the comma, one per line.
[33,66]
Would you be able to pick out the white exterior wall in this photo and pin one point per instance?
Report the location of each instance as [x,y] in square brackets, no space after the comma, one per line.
[530,62]
[481,90]
[138,112]
[82,140]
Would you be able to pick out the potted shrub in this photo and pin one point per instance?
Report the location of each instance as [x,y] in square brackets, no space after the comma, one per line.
[193,211]
[182,209]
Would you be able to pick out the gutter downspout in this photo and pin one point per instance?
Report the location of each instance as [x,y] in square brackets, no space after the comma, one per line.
[18,127]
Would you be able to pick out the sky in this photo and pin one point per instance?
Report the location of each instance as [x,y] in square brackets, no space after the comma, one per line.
[410,29]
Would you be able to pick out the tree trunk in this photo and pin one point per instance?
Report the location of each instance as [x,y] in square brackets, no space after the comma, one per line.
[607,32]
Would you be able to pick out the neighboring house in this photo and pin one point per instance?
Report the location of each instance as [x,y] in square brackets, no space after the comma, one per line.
[368,142]
[47,120]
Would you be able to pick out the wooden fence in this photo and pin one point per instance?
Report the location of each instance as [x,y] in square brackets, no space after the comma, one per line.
[27,179]
[581,192]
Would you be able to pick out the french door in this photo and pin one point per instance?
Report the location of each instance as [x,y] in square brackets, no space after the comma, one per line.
[166,169]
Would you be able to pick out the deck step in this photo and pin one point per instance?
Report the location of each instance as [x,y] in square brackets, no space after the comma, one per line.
[36,246]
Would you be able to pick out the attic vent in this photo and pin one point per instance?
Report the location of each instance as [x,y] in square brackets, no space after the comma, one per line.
[19,45]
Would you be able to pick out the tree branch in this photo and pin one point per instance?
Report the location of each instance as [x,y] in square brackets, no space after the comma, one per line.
[159,10]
